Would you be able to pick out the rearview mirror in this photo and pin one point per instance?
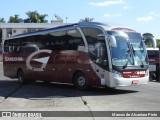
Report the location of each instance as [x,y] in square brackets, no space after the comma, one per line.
[112,41]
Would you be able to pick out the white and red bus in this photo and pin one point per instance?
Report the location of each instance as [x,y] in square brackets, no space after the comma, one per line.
[153,57]
[85,54]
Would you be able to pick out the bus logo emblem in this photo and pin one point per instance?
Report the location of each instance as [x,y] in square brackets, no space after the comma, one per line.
[43,60]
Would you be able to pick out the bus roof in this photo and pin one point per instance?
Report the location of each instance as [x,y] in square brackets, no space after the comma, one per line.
[81,24]
[40,31]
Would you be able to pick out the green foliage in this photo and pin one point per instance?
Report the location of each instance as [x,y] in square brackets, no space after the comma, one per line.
[32,17]
[87,19]
[148,42]
[158,42]
[15,19]
[148,35]
[2,20]
[148,39]
[35,17]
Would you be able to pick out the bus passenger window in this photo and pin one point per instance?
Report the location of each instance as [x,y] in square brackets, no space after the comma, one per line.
[6,49]
[28,48]
[75,40]
[10,48]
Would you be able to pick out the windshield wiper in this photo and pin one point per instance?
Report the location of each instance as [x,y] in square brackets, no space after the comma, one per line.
[142,65]
[128,52]
[124,66]
[127,59]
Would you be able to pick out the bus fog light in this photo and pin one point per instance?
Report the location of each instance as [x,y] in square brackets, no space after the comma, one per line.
[117,82]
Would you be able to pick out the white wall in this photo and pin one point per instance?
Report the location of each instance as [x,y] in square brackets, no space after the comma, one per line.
[16,31]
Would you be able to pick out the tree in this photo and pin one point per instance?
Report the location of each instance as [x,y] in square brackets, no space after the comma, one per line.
[2,20]
[87,19]
[35,17]
[42,18]
[15,19]
[148,39]
[158,42]
[148,35]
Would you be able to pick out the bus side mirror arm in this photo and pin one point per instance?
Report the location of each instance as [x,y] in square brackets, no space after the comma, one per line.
[110,38]
[112,41]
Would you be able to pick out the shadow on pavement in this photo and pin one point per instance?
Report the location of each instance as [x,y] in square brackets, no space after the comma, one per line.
[9,88]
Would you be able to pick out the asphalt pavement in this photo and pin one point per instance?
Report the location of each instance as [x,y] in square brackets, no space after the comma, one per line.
[60,98]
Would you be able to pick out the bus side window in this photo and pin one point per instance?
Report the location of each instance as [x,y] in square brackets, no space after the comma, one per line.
[91,35]
[96,48]
[8,46]
[75,40]
[6,49]
[10,49]
[26,49]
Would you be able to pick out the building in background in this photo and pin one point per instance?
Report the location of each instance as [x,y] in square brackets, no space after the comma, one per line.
[11,29]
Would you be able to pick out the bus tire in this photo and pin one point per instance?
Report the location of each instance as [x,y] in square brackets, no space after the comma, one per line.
[80,81]
[20,76]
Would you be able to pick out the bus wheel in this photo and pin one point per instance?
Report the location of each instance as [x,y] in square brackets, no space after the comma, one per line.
[80,81]
[20,76]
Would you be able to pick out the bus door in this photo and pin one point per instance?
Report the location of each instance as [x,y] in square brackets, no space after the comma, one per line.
[101,62]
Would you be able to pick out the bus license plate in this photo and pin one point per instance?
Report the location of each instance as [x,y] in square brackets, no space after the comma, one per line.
[135,81]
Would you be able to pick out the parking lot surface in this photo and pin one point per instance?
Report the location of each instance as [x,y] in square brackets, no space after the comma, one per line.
[37,96]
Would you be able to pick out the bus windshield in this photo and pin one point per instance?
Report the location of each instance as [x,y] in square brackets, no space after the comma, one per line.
[130,50]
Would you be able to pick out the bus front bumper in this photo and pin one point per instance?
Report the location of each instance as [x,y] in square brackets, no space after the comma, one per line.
[118,81]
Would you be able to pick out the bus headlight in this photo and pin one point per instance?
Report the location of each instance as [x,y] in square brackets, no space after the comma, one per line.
[116,73]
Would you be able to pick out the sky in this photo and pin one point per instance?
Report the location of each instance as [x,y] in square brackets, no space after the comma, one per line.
[140,15]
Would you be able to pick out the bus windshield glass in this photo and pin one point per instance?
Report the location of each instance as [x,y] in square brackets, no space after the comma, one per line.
[130,50]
